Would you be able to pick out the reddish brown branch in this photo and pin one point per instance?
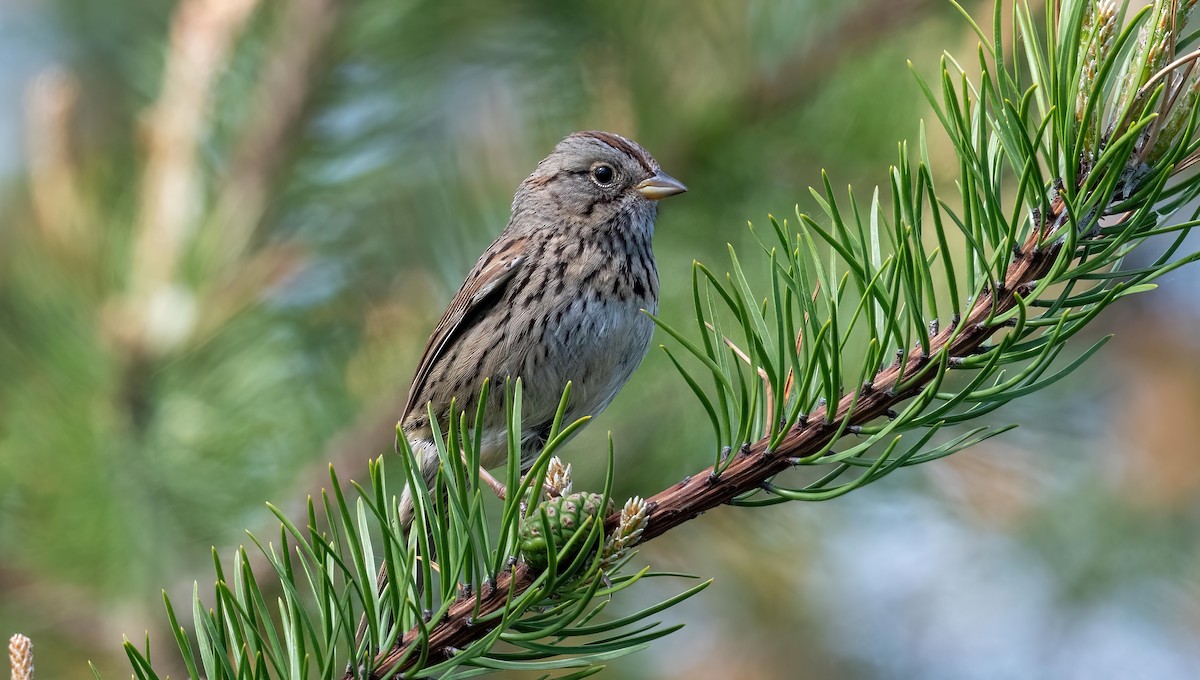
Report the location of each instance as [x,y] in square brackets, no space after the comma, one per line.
[705,490]
[459,629]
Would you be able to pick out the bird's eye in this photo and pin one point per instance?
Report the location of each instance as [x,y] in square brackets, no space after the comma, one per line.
[603,173]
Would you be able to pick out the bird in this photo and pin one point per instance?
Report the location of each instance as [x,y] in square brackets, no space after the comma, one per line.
[560,296]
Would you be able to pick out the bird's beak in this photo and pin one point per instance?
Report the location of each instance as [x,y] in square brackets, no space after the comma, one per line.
[660,186]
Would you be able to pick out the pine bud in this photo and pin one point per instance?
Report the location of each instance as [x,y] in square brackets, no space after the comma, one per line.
[558,478]
[628,533]
[20,657]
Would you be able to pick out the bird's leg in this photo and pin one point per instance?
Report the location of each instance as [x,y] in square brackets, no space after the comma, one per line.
[494,484]
[497,487]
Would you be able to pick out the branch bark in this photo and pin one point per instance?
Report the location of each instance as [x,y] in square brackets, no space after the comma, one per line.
[706,489]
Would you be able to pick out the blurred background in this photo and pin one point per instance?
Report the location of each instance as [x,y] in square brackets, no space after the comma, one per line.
[228,226]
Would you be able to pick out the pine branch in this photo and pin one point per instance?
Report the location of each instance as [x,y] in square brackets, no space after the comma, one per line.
[1058,181]
[799,76]
[280,107]
[460,627]
[203,38]
[1107,177]
[756,464]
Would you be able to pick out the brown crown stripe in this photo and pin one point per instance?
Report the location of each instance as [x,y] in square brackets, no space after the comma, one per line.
[625,146]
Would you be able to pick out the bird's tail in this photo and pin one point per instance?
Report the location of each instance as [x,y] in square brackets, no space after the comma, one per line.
[426,454]
[427,461]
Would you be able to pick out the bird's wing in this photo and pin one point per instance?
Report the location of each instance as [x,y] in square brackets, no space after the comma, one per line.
[480,291]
